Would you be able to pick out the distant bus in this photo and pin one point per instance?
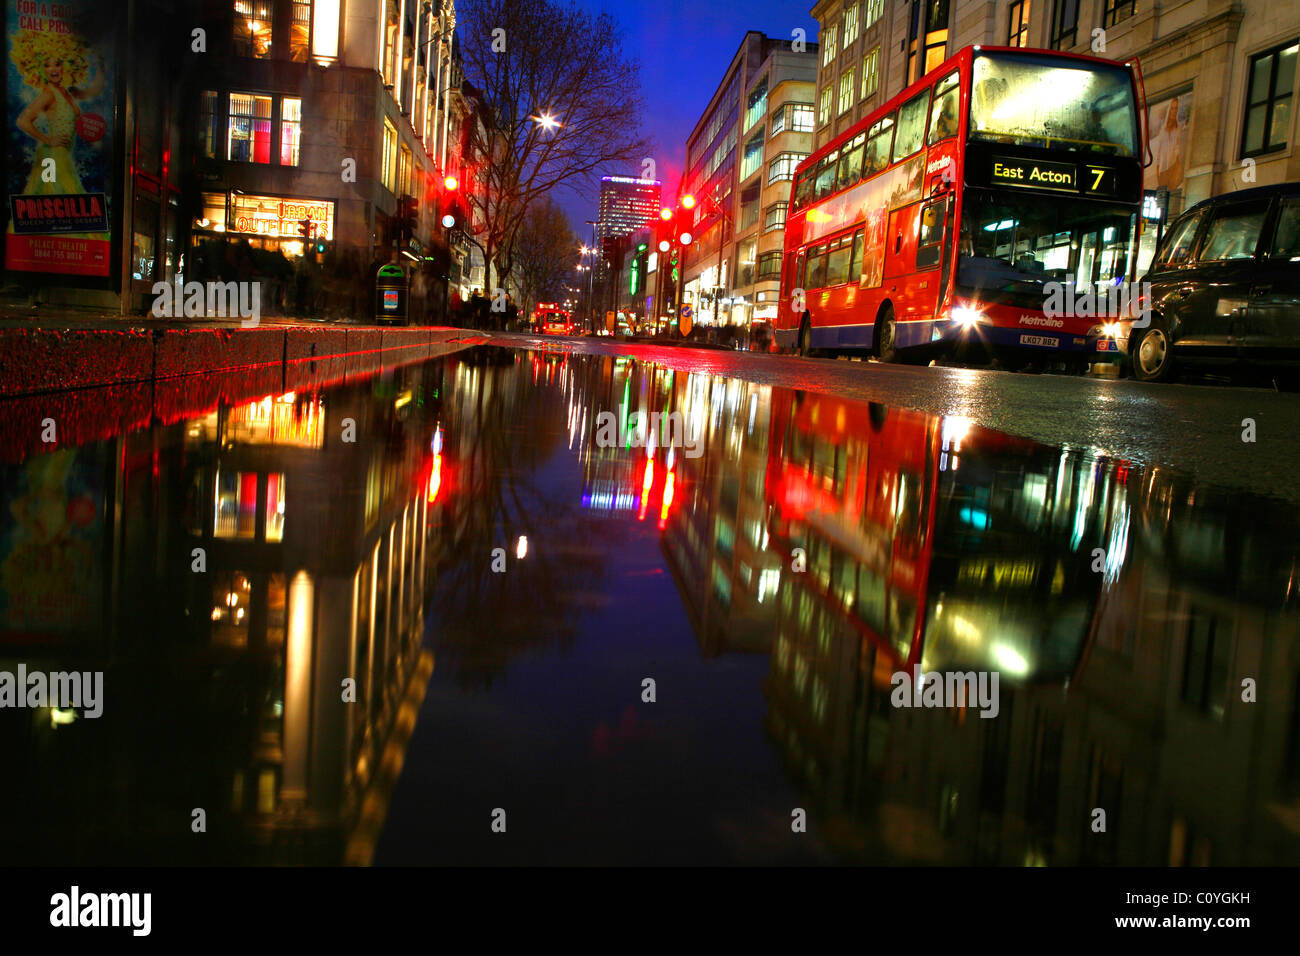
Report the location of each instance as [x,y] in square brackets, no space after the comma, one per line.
[936,223]
[549,318]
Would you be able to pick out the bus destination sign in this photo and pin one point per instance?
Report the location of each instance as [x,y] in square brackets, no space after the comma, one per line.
[1035,174]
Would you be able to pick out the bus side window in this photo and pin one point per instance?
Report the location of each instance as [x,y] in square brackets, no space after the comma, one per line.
[837,262]
[930,235]
[815,271]
[943,116]
[855,264]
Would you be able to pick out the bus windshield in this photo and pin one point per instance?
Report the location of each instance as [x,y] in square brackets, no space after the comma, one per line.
[1029,100]
[1013,242]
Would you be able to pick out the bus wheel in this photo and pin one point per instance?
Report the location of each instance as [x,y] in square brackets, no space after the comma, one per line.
[885,348]
[1153,354]
[805,337]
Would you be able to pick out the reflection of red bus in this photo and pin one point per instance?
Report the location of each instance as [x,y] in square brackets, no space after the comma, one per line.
[861,508]
[946,218]
[548,317]
[944,545]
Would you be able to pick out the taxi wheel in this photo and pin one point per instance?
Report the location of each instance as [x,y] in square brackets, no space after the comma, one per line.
[1152,353]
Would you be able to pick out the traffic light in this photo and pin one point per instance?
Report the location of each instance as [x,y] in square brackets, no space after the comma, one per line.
[451,206]
[304,228]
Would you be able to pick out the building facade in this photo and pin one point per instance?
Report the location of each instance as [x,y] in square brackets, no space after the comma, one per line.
[740,161]
[324,131]
[1219,75]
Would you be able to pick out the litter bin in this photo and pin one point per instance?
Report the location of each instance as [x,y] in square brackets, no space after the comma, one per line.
[391,294]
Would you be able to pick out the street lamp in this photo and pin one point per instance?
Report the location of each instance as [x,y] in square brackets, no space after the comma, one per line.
[546,121]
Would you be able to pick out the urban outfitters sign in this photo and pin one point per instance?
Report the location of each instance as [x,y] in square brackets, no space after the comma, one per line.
[60,152]
[1035,174]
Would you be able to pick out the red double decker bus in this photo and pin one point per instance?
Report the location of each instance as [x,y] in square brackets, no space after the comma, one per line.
[549,318]
[948,219]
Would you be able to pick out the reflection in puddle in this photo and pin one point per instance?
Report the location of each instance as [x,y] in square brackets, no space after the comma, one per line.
[353,623]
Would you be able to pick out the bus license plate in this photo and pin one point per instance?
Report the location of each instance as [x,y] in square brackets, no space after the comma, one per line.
[1046,340]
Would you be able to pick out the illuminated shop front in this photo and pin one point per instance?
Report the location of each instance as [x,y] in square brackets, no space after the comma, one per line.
[269,222]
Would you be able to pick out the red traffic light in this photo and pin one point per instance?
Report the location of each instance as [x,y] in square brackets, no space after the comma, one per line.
[665,214]
[687,201]
[451,183]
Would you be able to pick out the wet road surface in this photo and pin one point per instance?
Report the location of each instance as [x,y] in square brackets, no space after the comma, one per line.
[469,611]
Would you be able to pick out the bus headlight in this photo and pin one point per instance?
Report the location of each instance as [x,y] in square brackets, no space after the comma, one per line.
[965,316]
[1111,330]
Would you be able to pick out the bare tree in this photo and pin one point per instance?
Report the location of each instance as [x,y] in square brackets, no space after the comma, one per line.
[564,99]
[544,255]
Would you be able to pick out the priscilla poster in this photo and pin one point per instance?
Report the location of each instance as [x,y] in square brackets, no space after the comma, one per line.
[60,132]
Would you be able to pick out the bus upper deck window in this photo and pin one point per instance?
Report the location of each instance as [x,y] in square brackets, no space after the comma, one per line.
[943,115]
[803,192]
[850,163]
[826,175]
[881,138]
[911,126]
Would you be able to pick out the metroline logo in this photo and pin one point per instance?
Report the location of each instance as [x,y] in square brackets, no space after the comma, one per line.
[1040,321]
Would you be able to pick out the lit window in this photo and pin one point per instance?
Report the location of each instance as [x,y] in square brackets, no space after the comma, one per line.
[232,594]
[290,130]
[300,35]
[389,167]
[850,25]
[1018,23]
[828,47]
[1117,11]
[274,507]
[801,118]
[871,11]
[404,172]
[824,107]
[870,72]
[236,505]
[775,217]
[846,89]
[209,126]
[252,28]
[249,134]
[1268,100]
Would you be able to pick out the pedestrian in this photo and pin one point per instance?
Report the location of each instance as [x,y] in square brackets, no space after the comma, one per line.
[512,313]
